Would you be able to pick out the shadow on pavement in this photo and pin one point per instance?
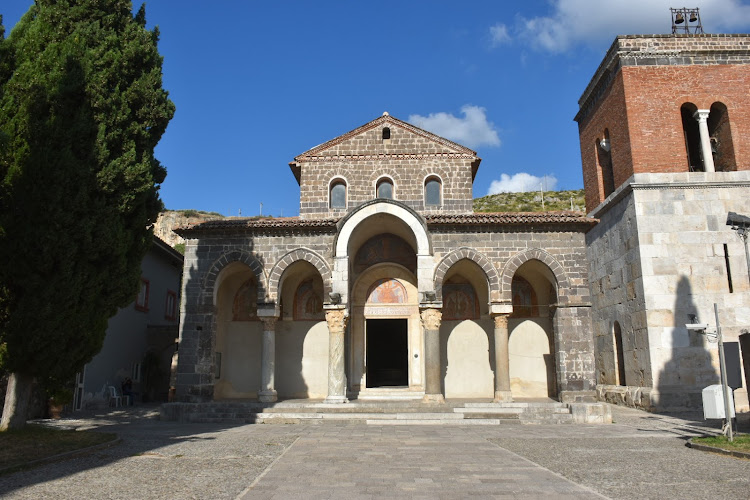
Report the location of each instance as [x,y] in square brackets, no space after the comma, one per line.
[141,433]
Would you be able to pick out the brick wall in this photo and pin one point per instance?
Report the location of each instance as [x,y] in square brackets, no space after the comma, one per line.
[637,94]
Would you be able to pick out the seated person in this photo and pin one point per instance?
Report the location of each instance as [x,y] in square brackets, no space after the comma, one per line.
[127,390]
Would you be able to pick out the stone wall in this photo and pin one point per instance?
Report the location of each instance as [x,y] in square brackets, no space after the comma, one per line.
[408,157]
[617,294]
[408,176]
[560,249]
[657,256]
[204,259]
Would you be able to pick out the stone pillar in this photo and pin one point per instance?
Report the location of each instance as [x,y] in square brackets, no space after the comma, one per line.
[431,324]
[574,353]
[267,392]
[336,319]
[708,158]
[502,363]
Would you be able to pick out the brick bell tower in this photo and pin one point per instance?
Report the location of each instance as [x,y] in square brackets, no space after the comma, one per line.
[664,128]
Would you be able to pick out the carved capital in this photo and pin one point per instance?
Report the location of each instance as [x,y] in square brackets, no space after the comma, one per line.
[702,115]
[501,321]
[431,319]
[269,323]
[336,319]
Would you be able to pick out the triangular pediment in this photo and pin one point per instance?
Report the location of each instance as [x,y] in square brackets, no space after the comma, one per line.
[367,140]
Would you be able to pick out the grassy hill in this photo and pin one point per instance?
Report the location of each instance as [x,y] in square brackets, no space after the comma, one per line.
[531,202]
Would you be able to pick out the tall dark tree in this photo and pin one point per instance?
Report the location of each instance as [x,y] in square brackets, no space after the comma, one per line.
[81,109]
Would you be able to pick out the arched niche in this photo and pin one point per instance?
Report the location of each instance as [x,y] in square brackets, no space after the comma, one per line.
[531,346]
[237,342]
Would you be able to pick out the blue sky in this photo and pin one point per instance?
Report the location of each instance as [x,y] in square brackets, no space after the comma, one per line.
[257,83]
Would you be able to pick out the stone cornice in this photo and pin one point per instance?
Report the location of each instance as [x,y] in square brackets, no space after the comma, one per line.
[641,182]
[385,119]
[390,156]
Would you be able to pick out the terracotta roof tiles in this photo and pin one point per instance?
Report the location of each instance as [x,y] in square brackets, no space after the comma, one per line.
[498,218]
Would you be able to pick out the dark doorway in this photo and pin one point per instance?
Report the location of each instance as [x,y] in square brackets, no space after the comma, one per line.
[387,353]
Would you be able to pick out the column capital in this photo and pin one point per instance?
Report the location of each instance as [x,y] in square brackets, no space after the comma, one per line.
[269,323]
[431,318]
[336,319]
[701,115]
[501,320]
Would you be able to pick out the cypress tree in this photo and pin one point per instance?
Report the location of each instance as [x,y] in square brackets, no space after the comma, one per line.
[81,109]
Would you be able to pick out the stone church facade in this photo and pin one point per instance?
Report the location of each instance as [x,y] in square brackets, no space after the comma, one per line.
[665,143]
[387,286]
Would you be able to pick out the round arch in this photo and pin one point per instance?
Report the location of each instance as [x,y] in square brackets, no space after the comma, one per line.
[290,258]
[544,257]
[466,253]
[241,256]
[382,206]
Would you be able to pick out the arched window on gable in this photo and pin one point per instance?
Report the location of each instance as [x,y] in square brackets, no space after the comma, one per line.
[386,133]
[384,188]
[337,194]
[433,196]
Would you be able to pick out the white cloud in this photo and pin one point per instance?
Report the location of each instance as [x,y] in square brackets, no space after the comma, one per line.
[472,130]
[594,22]
[499,34]
[521,182]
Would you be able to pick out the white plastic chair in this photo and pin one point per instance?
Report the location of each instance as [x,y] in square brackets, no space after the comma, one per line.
[113,396]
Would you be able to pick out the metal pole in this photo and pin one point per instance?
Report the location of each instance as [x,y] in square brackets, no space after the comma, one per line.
[723,368]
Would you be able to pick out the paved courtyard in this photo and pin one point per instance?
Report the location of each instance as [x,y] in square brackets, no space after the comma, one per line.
[641,455]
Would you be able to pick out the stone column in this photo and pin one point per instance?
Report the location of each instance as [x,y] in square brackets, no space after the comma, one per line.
[267,392]
[708,158]
[336,319]
[502,364]
[431,324]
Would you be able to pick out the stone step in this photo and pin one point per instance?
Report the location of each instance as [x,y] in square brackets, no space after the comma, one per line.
[517,405]
[489,421]
[490,409]
[389,394]
[360,416]
[492,415]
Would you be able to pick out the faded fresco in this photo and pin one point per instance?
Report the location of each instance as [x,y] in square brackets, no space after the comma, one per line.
[244,307]
[387,291]
[308,305]
[459,302]
[385,248]
[525,303]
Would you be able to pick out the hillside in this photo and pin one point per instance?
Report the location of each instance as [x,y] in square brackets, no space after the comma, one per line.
[170,219]
[554,201]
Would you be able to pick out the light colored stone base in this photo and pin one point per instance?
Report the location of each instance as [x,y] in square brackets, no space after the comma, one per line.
[433,398]
[267,396]
[503,397]
[577,396]
[591,413]
[336,399]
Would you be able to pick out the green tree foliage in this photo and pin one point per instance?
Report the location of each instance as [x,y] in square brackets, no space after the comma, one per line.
[81,109]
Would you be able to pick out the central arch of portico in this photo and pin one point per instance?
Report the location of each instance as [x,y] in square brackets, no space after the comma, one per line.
[355,281]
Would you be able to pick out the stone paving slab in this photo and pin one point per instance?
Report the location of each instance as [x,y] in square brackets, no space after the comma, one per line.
[641,456]
[407,462]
